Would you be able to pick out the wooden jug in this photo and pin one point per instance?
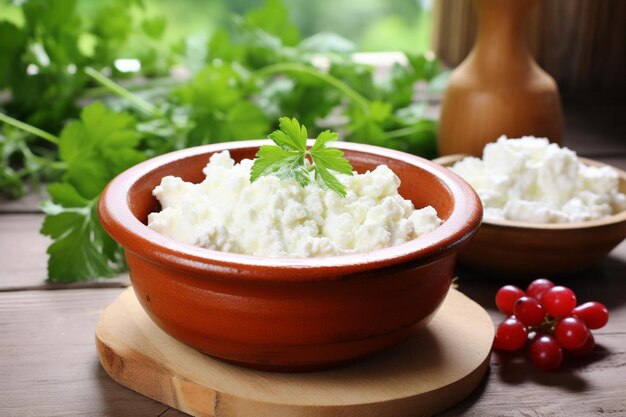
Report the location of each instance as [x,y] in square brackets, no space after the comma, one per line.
[499,88]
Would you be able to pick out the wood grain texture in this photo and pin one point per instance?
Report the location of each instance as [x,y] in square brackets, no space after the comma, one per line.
[23,253]
[498,89]
[579,42]
[49,365]
[23,258]
[48,361]
[27,204]
[582,387]
[596,129]
[433,370]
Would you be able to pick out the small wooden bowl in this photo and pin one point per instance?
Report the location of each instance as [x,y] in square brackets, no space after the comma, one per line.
[525,250]
[290,314]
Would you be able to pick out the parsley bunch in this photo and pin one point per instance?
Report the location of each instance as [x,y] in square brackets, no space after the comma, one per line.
[288,158]
[94,149]
[66,122]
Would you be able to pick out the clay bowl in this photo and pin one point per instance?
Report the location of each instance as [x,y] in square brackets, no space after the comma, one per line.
[290,314]
[525,250]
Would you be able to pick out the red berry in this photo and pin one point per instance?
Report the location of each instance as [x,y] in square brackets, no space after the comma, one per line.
[511,334]
[559,301]
[529,311]
[594,314]
[546,353]
[586,349]
[538,288]
[506,297]
[571,333]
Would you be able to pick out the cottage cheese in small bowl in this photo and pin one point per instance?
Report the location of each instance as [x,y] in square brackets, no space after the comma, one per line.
[278,218]
[546,212]
[532,180]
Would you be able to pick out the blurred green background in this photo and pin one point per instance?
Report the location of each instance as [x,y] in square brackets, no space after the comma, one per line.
[89,88]
[373,25]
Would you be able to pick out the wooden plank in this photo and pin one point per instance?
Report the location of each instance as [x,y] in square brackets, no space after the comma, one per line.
[605,282]
[49,364]
[48,360]
[580,387]
[595,128]
[27,204]
[616,161]
[577,41]
[23,257]
[587,387]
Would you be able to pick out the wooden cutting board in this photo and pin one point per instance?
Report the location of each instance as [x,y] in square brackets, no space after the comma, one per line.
[427,374]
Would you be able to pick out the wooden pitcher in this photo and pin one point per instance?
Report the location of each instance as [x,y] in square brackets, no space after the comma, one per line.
[499,88]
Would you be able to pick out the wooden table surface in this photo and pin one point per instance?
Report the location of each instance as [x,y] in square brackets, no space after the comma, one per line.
[49,366]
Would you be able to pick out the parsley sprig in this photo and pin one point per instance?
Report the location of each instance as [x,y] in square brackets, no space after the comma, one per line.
[288,158]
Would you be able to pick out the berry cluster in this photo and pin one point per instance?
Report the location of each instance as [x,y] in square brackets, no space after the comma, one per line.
[547,316]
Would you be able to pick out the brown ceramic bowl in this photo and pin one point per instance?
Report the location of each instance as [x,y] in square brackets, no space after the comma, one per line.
[290,314]
[525,250]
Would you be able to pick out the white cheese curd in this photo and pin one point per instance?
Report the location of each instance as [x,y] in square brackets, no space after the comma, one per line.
[274,217]
[532,180]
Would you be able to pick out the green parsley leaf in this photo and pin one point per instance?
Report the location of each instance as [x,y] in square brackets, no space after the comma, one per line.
[154,27]
[98,147]
[323,139]
[291,135]
[331,158]
[399,91]
[285,164]
[221,46]
[273,18]
[327,180]
[307,98]
[220,107]
[287,160]
[13,43]
[10,181]
[95,149]
[81,248]
[113,25]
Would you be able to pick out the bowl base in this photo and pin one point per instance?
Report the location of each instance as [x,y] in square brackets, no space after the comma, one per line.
[430,372]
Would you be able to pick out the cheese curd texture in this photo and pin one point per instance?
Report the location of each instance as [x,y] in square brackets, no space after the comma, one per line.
[532,180]
[274,217]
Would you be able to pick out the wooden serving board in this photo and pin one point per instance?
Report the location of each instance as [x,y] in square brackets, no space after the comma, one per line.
[427,374]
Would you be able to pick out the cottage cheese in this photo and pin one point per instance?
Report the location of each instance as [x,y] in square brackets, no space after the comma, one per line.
[531,180]
[274,217]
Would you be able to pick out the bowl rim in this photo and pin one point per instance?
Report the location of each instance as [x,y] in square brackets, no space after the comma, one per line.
[118,220]
[448,160]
